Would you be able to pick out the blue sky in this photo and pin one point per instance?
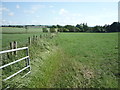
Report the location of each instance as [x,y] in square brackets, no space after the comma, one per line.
[53,13]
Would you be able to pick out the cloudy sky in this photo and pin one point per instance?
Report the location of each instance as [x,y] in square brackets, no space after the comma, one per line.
[49,13]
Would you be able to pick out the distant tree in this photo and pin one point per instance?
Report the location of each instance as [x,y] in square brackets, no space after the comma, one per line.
[114,27]
[77,29]
[80,26]
[70,28]
[58,26]
[118,27]
[60,29]
[65,30]
[45,30]
[96,29]
[53,26]
[26,27]
[85,27]
[52,30]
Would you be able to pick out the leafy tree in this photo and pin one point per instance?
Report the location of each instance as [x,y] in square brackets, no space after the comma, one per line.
[58,26]
[114,27]
[52,30]
[77,29]
[70,28]
[85,27]
[53,26]
[60,29]
[80,26]
[65,30]
[45,30]
[97,29]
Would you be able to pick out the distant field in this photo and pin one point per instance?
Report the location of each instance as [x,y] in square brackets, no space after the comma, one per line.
[12,30]
[18,34]
[20,38]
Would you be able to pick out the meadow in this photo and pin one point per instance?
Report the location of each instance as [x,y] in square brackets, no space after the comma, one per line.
[18,34]
[14,30]
[70,60]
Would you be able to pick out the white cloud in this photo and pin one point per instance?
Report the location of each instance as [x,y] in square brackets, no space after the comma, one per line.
[5,22]
[53,11]
[17,6]
[66,17]
[119,11]
[4,9]
[11,14]
[72,18]
[51,6]
[29,11]
[63,11]
[101,19]
[37,16]
[33,9]
[8,22]
[60,0]
[35,22]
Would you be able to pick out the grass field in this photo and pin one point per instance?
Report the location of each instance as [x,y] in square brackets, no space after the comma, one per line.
[12,30]
[17,34]
[72,60]
[96,56]
[20,38]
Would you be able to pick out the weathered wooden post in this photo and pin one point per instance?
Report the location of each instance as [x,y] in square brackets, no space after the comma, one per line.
[11,47]
[40,36]
[15,47]
[33,38]
[29,40]
[36,38]
[44,35]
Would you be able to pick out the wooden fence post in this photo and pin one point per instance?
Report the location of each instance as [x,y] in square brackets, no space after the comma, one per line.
[36,38]
[11,47]
[15,47]
[29,40]
[33,38]
[40,36]
[43,35]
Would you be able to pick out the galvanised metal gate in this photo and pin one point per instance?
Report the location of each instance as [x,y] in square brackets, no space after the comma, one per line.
[16,61]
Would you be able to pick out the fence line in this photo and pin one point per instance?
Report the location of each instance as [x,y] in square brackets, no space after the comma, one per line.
[13,50]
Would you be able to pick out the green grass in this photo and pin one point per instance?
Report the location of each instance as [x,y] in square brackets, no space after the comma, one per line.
[18,34]
[74,60]
[20,38]
[14,30]
[98,54]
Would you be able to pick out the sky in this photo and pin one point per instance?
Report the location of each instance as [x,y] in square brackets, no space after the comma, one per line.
[62,13]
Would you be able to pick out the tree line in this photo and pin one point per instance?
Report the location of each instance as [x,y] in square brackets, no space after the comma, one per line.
[83,27]
[114,27]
